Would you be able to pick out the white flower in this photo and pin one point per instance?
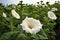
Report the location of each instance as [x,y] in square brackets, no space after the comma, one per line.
[4,14]
[44,5]
[51,15]
[31,25]
[15,14]
[54,9]
[56,1]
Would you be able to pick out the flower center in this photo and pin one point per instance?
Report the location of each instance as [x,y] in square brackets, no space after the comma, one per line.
[51,15]
[30,26]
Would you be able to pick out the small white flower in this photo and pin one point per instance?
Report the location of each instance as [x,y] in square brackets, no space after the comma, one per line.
[15,14]
[51,15]
[54,9]
[31,25]
[4,14]
[56,1]
[44,5]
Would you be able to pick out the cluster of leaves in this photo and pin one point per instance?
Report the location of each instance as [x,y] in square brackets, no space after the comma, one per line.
[10,28]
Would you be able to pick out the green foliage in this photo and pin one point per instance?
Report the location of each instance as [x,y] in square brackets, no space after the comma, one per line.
[10,28]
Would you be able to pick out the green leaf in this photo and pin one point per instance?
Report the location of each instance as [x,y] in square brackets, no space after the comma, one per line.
[22,36]
[6,36]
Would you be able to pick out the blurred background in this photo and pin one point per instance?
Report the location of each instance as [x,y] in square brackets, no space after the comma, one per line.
[7,2]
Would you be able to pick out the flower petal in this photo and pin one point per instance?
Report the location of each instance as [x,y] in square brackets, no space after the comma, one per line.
[51,15]
[54,9]
[4,14]
[15,14]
